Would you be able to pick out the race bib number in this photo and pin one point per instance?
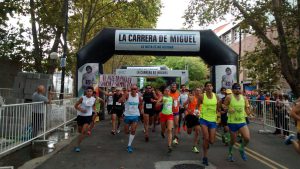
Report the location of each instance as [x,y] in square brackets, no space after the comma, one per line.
[148,106]
[169,106]
[118,103]
[175,103]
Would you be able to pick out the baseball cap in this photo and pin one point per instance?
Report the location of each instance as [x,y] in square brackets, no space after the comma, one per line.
[228,91]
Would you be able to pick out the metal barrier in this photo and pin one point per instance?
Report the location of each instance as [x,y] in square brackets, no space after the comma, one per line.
[273,116]
[22,123]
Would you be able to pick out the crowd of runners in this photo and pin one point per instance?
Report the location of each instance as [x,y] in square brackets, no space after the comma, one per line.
[199,111]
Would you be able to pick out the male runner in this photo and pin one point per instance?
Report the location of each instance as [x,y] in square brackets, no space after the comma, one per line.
[208,117]
[295,113]
[175,109]
[149,98]
[84,107]
[117,111]
[237,105]
[133,107]
[184,94]
[192,118]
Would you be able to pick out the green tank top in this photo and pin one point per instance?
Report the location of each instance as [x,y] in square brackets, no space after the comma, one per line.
[209,108]
[97,105]
[167,105]
[238,116]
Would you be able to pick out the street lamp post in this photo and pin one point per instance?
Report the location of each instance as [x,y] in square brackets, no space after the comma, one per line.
[65,48]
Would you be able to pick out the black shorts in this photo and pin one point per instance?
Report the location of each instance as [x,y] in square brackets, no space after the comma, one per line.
[81,120]
[298,136]
[191,121]
[109,108]
[224,119]
[151,112]
[247,120]
[119,113]
[181,110]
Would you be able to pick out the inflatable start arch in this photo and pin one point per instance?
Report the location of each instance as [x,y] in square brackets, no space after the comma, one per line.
[204,43]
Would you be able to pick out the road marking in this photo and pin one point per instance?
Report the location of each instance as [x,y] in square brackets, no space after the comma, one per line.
[263,159]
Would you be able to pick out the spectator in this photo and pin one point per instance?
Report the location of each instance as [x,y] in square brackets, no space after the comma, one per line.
[260,102]
[38,114]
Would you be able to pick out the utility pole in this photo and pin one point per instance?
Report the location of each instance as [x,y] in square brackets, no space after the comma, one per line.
[65,48]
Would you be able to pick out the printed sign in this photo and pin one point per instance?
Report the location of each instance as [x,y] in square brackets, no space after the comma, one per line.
[225,76]
[143,40]
[87,76]
[116,81]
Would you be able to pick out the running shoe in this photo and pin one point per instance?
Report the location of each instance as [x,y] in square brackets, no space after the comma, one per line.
[175,141]
[162,135]
[195,149]
[118,131]
[205,161]
[230,158]
[113,132]
[243,155]
[77,149]
[129,149]
[288,139]
[147,138]
[170,149]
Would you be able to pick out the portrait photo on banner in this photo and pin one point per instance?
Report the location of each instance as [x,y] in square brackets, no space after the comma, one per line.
[225,76]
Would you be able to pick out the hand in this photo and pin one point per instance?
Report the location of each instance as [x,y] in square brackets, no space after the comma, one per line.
[231,110]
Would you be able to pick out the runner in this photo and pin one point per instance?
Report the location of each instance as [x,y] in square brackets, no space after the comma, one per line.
[84,107]
[157,109]
[208,116]
[166,116]
[149,98]
[133,107]
[236,105]
[109,100]
[291,139]
[192,118]
[175,109]
[226,134]
[96,111]
[184,94]
[117,111]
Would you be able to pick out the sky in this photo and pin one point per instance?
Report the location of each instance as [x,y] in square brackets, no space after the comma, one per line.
[172,12]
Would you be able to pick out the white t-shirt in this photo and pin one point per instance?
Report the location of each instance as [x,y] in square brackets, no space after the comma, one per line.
[87,104]
[183,98]
[88,79]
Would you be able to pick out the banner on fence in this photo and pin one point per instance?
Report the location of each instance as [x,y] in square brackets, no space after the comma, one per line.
[107,80]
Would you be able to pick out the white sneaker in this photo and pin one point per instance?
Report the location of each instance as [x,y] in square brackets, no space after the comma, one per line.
[118,131]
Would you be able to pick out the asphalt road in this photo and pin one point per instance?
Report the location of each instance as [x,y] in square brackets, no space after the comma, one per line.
[105,151]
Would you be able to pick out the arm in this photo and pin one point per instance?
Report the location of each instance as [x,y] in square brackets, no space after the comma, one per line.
[226,103]
[295,112]
[219,104]
[77,107]
[124,97]
[141,105]
[247,106]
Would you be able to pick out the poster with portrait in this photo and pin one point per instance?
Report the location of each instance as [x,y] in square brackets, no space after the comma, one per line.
[225,76]
[88,75]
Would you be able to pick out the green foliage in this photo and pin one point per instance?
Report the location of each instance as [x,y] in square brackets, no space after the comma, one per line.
[197,69]
[159,81]
[195,84]
[275,22]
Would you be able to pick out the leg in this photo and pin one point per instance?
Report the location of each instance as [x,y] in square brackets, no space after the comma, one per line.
[197,133]
[176,120]
[133,127]
[205,134]
[233,136]
[84,130]
[163,128]
[146,126]
[246,138]
[169,128]
[113,119]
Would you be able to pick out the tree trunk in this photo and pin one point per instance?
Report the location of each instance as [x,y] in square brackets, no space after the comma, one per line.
[36,50]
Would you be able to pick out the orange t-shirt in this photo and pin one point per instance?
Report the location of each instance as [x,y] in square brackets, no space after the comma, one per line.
[175,96]
[192,105]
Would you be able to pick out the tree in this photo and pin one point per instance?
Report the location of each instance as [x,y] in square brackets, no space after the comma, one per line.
[262,15]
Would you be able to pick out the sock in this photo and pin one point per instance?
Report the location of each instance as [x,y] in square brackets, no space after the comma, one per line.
[242,145]
[230,149]
[227,136]
[131,137]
